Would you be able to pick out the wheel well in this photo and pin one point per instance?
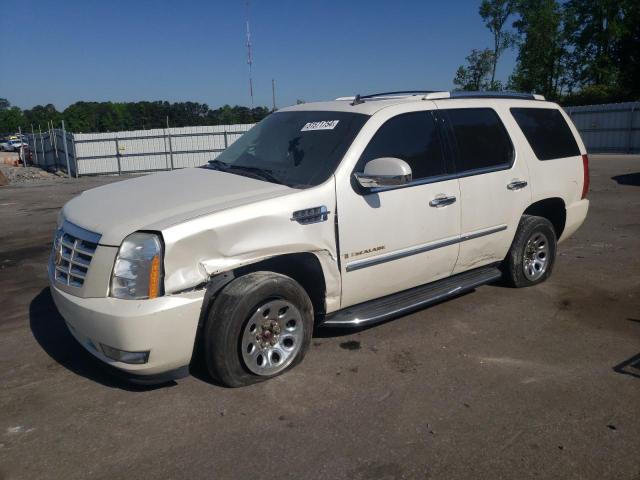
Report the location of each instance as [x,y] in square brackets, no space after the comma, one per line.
[304,268]
[553,209]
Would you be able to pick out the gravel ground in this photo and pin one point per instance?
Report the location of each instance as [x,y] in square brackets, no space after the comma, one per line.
[26,175]
[532,383]
[29,175]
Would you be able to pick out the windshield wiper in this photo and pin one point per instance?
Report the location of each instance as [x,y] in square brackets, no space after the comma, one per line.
[261,173]
[217,164]
[255,172]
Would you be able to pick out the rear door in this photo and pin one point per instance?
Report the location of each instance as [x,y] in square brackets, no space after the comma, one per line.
[397,238]
[494,181]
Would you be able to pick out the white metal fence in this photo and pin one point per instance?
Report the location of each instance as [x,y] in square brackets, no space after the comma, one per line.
[133,151]
[604,128]
[608,128]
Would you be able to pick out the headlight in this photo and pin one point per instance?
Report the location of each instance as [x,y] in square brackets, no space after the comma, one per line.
[137,273]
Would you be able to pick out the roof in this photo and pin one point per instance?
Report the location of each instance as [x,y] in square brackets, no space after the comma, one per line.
[366,108]
[370,104]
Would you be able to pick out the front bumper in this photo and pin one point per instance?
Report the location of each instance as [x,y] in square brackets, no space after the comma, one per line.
[164,326]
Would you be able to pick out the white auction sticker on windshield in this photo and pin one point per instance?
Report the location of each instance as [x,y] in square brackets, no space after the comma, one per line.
[322,125]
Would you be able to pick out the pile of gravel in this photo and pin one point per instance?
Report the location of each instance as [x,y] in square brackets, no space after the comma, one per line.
[28,175]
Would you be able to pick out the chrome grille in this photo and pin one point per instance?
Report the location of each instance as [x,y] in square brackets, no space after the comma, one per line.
[73,250]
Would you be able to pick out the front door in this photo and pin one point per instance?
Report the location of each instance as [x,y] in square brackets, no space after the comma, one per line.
[394,239]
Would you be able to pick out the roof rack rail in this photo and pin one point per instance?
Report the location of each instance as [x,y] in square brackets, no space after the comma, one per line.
[405,93]
[400,93]
[515,95]
[441,95]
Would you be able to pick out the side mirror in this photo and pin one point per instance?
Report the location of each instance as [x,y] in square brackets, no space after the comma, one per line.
[384,172]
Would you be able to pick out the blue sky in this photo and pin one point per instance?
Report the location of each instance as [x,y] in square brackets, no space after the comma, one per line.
[100,50]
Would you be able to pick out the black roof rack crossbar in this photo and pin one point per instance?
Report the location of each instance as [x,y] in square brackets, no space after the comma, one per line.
[515,95]
[400,92]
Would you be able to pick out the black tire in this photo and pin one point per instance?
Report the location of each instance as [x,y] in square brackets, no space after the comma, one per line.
[513,267]
[229,315]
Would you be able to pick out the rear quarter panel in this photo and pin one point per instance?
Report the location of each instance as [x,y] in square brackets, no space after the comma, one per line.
[557,178]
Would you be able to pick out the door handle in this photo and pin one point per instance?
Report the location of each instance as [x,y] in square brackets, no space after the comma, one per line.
[517,185]
[442,201]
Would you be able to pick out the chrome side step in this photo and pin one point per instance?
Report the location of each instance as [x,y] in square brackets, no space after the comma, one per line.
[400,303]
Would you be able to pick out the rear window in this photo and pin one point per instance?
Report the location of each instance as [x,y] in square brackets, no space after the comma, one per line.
[547,132]
[481,139]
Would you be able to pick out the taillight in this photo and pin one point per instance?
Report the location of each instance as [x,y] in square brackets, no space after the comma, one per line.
[585,168]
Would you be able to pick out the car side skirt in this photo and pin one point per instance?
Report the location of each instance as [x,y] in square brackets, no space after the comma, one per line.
[391,306]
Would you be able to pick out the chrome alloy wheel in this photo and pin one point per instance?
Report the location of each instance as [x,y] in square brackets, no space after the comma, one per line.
[536,256]
[272,337]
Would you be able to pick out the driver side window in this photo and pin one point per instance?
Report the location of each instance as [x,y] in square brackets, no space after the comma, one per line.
[412,137]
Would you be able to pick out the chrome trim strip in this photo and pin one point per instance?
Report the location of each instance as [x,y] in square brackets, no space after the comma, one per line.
[471,236]
[308,216]
[370,262]
[81,233]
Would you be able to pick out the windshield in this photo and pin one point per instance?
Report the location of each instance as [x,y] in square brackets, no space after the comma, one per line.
[299,149]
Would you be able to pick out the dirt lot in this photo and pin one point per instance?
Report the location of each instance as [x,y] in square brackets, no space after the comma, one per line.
[500,383]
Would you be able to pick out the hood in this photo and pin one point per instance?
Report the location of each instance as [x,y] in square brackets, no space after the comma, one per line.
[162,199]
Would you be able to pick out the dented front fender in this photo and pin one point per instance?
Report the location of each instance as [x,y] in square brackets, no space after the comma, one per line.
[211,244]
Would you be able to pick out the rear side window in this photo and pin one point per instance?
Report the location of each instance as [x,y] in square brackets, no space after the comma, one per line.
[412,137]
[482,141]
[547,132]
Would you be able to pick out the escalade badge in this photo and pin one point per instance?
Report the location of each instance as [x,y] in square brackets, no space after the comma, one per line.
[364,252]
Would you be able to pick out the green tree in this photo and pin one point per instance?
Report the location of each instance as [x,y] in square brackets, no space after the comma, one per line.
[4,104]
[11,119]
[41,115]
[593,29]
[542,48]
[476,74]
[627,50]
[495,14]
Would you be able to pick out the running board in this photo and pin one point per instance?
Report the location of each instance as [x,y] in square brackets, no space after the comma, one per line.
[400,303]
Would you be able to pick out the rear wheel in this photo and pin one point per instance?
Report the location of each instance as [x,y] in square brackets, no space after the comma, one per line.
[259,326]
[532,253]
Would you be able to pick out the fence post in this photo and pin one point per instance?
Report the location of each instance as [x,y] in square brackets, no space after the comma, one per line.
[44,158]
[226,140]
[75,153]
[118,155]
[630,137]
[21,154]
[55,145]
[35,146]
[170,148]
[66,149]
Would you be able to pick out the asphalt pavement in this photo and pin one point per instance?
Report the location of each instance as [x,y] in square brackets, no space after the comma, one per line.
[500,383]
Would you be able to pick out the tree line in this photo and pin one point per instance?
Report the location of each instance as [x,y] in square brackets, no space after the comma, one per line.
[113,116]
[574,52]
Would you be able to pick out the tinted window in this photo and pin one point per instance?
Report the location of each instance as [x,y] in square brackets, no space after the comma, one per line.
[547,132]
[481,139]
[299,149]
[412,137]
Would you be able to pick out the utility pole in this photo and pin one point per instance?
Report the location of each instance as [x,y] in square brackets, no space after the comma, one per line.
[249,56]
[273,93]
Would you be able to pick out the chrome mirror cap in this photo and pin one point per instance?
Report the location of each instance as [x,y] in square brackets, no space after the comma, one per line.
[384,172]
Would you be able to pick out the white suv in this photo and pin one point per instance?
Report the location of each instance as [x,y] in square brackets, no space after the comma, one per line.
[341,213]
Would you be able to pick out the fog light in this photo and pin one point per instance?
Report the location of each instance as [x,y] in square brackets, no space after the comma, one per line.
[124,356]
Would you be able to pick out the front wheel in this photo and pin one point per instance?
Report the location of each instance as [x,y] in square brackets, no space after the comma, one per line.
[532,253]
[259,326]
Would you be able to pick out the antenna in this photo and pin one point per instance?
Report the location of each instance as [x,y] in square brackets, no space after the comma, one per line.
[273,92]
[249,56]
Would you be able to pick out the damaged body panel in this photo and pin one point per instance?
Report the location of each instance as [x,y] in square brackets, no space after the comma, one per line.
[208,245]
